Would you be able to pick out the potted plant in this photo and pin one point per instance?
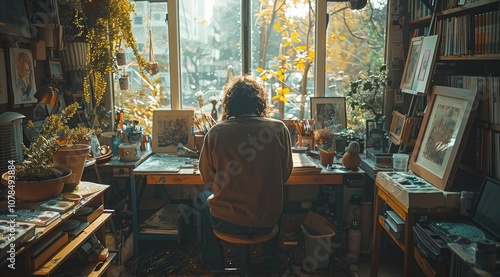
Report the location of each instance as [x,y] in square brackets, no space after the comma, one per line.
[37,177]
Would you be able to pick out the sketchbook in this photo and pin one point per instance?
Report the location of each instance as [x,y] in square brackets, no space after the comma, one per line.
[304,163]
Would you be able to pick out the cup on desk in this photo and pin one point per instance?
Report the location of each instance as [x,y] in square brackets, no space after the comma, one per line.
[198,140]
[400,162]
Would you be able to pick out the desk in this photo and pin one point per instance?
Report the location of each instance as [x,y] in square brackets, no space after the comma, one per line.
[410,214]
[191,176]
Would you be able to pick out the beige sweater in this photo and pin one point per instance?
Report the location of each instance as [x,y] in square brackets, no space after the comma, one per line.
[245,162]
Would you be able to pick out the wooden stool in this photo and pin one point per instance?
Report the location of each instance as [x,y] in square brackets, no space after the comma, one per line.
[246,241]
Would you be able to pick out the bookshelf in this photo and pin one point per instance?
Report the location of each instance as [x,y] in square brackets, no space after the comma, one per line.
[468,56]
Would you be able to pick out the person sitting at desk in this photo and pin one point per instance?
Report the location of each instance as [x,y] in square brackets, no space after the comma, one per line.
[244,162]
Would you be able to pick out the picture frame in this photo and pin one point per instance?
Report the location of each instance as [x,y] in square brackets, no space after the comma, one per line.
[442,137]
[22,76]
[321,111]
[171,127]
[4,97]
[294,134]
[416,77]
[14,19]
[410,69]
[370,124]
[397,125]
[398,98]
[55,69]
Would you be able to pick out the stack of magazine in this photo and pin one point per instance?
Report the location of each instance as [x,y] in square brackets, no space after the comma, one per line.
[164,221]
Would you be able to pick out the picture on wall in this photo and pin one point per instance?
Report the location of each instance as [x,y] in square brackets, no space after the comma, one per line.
[13,19]
[22,76]
[171,127]
[4,98]
[440,143]
[329,112]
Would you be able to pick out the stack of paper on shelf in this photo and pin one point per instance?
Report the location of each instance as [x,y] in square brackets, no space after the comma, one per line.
[164,221]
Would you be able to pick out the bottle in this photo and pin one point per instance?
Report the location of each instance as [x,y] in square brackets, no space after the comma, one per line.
[354,240]
[486,255]
[116,143]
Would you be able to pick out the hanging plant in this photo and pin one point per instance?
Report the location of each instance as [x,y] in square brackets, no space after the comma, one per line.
[108,28]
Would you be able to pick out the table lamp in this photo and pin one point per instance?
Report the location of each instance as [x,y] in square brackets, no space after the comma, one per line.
[48,94]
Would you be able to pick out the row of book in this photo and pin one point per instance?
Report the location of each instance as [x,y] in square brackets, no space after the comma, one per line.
[488,94]
[471,34]
[418,9]
[486,145]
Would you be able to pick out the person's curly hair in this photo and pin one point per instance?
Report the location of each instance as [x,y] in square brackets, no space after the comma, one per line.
[244,95]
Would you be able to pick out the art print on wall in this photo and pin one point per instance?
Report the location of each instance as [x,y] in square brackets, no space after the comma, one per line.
[4,98]
[440,142]
[22,76]
[171,127]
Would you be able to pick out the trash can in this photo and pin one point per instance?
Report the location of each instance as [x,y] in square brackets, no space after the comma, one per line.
[318,248]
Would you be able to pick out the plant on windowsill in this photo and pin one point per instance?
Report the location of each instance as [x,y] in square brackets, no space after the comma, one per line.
[37,178]
[366,94]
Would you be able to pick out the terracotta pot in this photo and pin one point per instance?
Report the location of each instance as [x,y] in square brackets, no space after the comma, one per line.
[326,156]
[39,190]
[74,158]
[351,161]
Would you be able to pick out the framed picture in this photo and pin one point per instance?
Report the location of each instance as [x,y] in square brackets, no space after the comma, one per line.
[425,64]
[290,124]
[398,98]
[442,136]
[329,112]
[411,65]
[419,65]
[4,97]
[55,69]
[171,127]
[397,124]
[370,125]
[13,19]
[22,76]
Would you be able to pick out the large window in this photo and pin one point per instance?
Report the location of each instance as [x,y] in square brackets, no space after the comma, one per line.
[282,51]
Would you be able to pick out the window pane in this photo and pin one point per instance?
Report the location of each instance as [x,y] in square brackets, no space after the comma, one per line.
[355,47]
[151,90]
[209,43]
[283,53]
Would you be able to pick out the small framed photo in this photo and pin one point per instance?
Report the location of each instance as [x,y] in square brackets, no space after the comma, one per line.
[171,127]
[397,125]
[329,112]
[398,98]
[441,140]
[55,69]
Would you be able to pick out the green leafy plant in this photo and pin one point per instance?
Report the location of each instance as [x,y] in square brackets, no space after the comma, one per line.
[54,134]
[367,92]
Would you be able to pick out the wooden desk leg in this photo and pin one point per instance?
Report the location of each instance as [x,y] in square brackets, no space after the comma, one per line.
[377,233]
[134,208]
[409,259]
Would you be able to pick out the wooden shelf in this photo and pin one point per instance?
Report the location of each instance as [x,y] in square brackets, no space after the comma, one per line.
[487,57]
[401,245]
[64,253]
